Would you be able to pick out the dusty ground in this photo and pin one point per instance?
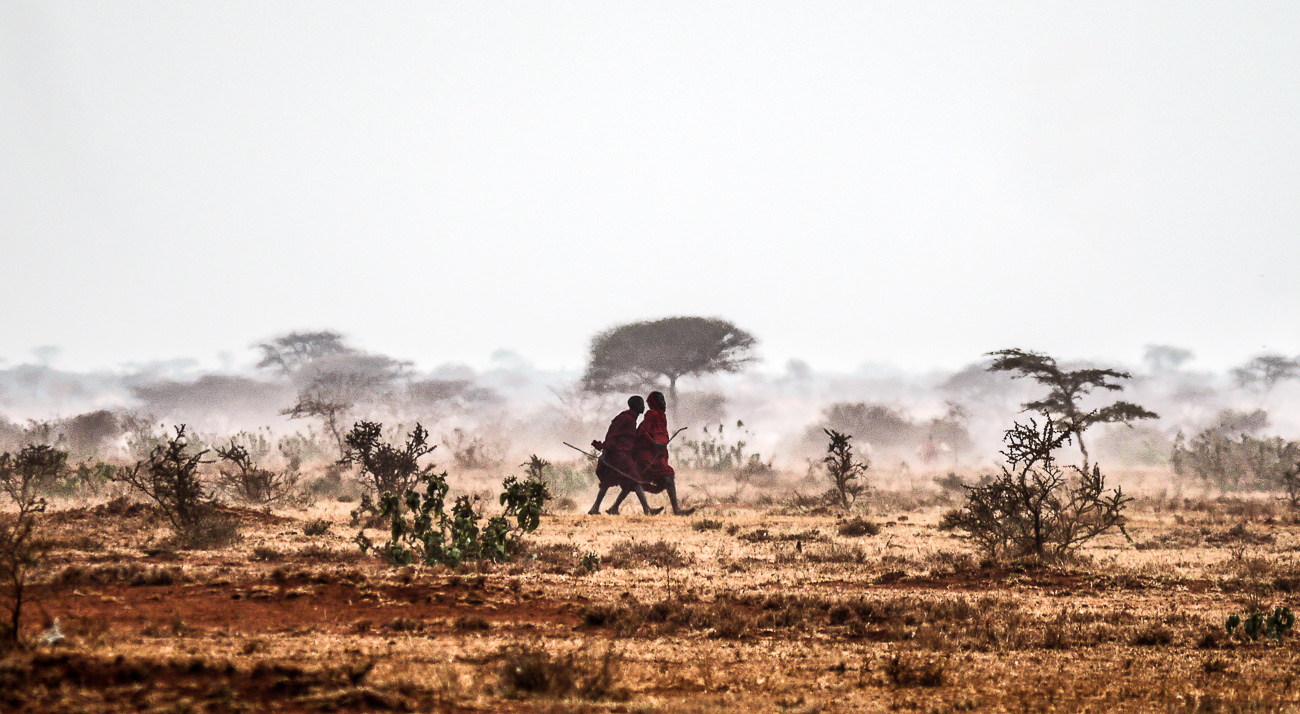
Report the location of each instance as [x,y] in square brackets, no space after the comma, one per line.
[738,608]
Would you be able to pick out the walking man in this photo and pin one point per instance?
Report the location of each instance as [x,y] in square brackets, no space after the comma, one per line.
[616,467]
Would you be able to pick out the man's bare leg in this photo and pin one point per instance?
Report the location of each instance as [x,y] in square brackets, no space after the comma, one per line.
[595,507]
[640,494]
[672,497]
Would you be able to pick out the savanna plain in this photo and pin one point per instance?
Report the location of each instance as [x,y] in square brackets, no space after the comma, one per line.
[762,600]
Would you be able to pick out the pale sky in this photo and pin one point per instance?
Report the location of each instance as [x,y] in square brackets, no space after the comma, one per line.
[853,182]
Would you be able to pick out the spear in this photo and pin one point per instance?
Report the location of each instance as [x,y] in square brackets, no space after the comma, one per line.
[598,459]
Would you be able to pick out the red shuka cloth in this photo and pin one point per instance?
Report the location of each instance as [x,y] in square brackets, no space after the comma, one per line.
[651,456]
[616,467]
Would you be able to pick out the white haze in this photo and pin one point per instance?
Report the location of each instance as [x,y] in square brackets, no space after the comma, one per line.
[900,183]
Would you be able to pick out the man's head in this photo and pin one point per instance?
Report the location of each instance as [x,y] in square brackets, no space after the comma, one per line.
[657,401]
[636,404]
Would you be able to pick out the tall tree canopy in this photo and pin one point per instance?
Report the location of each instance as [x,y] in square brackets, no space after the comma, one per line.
[639,355]
[1067,388]
[288,353]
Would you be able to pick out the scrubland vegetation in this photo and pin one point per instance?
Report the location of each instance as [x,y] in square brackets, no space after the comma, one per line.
[384,566]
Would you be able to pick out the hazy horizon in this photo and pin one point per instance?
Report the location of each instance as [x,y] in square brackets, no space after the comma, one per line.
[850,183]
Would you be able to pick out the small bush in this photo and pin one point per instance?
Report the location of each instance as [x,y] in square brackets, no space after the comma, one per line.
[844,470]
[1035,507]
[589,563]
[318,527]
[22,478]
[529,669]
[385,468]
[914,669]
[170,478]
[213,531]
[244,479]
[475,623]
[857,527]
[420,529]
[707,524]
[659,554]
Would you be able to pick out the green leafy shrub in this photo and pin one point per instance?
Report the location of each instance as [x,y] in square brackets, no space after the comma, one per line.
[421,529]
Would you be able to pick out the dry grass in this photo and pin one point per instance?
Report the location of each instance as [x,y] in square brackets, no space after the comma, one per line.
[765,608]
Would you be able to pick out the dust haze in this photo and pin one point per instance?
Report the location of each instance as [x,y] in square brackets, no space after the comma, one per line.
[913,424]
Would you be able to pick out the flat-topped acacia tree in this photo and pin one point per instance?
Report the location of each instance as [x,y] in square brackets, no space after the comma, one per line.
[639,355]
[1067,389]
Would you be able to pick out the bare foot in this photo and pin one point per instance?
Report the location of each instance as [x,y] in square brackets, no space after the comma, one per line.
[683,512]
[655,511]
[612,511]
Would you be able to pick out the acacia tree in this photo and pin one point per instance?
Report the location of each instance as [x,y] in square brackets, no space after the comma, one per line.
[1265,371]
[330,388]
[641,354]
[1067,388]
[288,353]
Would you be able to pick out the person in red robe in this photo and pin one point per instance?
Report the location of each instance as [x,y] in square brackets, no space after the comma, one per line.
[616,466]
[651,454]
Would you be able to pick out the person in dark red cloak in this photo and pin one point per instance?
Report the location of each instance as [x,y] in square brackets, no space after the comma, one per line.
[651,454]
[616,467]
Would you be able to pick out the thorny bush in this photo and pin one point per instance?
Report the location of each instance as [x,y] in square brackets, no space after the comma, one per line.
[170,478]
[22,478]
[1035,507]
[384,467]
[247,480]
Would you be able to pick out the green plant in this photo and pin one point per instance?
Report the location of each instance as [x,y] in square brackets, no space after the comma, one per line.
[85,479]
[1035,507]
[844,470]
[589,562]
[1256,624]
[22,478]
[420,529]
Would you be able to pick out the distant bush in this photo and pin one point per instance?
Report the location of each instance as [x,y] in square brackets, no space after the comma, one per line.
[1239,462]
[846,473]
[714,454]
[856,527]
[244,478]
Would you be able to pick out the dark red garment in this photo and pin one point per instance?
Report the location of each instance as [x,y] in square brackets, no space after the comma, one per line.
[616,468]
[652,453]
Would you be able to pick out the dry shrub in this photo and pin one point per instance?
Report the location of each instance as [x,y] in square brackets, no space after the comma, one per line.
[909,668]
[266,555]
[584,672]
[131,573]
[210,531]
[857,527]
[472,623]
[707,524]
[318,527]
[635,554]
